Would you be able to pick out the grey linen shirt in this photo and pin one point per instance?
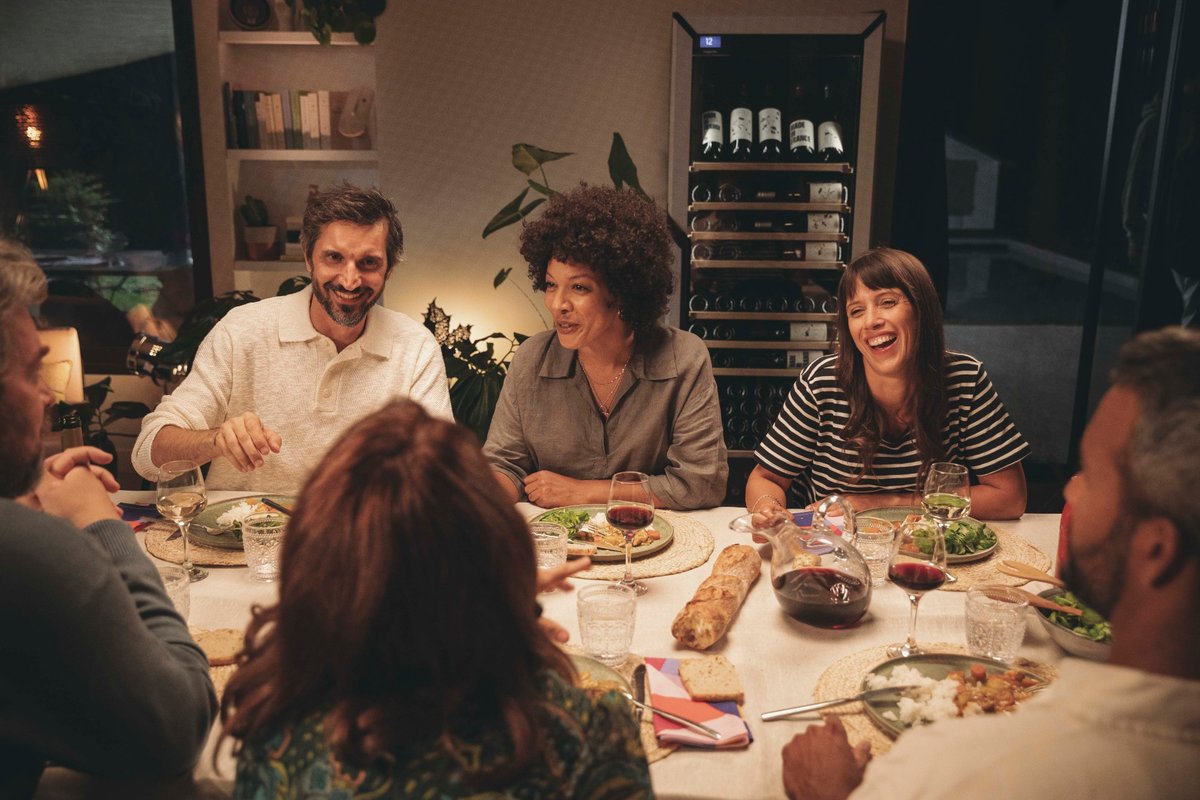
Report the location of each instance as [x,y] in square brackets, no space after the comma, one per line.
[665,421]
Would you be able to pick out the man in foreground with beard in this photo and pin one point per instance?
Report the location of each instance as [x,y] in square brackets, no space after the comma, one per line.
[97,671]
[277,381]
[1128,728]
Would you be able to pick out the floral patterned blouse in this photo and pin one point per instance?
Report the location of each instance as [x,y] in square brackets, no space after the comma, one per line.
[592,750]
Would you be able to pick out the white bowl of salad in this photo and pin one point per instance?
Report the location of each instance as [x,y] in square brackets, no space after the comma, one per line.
[1087,636]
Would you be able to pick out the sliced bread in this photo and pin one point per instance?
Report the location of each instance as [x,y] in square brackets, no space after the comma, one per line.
[220,645]
[712,679]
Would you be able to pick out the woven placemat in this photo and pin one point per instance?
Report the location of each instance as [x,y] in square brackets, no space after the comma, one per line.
[1009,546]
[845,676]
[157,545]
[692,545]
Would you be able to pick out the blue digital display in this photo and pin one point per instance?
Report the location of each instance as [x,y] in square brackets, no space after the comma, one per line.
[710,42]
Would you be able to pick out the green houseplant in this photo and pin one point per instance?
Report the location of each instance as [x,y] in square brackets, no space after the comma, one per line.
[326,17]
[92,413]
[260,236]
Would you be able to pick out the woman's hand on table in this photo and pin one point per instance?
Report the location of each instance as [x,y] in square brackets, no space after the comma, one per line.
[819,763]
[556,579]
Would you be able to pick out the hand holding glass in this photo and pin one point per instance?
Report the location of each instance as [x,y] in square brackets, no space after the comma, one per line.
[180,496]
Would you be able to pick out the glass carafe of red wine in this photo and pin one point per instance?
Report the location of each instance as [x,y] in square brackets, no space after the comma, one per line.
[818,575]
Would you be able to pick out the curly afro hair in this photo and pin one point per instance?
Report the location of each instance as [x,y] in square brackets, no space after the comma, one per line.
[621,237]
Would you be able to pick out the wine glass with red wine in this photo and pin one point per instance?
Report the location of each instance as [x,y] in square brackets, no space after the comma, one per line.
[630,508]
[917,565]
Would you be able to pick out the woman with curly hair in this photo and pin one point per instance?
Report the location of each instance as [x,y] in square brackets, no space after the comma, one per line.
[868,421]
[610,388]
[404,657]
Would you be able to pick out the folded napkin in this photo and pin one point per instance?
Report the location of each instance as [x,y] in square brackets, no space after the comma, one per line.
[139,515]
[667,693]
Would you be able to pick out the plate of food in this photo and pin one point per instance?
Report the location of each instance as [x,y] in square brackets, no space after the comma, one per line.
[966,539]
[946,685]
[609,544]
[222,522]
[596,678]
[1088,635]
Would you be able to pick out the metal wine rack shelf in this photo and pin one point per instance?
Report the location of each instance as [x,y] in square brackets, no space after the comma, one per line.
[735,236]
[746,166]
[778,344]
[768,205]
[757,372]
[766,316]
[794,266]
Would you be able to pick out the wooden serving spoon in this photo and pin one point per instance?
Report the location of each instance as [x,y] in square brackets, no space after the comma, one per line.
[1042,602]
[1022,570]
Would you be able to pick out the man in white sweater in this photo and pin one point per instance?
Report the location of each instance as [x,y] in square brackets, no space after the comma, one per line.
[1128,728]
[276,382]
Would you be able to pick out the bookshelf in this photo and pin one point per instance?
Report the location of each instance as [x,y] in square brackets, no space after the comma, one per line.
[275,61]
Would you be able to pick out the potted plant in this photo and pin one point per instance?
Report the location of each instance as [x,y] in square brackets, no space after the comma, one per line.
[323,18]
[260,237]
[92,411]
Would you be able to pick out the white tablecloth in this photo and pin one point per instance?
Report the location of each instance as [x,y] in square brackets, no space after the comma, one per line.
[779,659]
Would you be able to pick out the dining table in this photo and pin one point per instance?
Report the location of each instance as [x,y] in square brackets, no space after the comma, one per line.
[778,659]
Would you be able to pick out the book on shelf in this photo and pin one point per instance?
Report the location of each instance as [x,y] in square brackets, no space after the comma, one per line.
[289,119]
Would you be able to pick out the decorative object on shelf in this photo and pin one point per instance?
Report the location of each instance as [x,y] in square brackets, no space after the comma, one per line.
[475,374]
[260,237]
[327,17]
[251,15]
[92,410]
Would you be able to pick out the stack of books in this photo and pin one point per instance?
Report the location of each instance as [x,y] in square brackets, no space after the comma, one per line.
[289,119]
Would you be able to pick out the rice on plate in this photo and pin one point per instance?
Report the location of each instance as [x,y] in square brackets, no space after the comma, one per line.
[931,700]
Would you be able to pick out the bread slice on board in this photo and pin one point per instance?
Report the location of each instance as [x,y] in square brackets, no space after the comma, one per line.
[712,679]
[220,645]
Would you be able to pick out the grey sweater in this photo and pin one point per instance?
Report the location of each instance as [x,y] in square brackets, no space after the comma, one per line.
[97,671]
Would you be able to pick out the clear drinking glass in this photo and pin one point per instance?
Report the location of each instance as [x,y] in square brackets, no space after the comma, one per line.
[947,493]
[262,539]
[607,613]
[178,585]
[180,496]
[549,544]
[630,508]
[917,565]
[875,537]
[995,619]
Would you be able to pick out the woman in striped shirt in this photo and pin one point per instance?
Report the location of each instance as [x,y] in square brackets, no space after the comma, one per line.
[868,421]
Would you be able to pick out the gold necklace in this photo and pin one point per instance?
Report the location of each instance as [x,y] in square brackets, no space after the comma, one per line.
[604,405]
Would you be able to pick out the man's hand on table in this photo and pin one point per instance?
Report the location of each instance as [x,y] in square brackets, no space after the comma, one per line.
[556,579]
[75,488]
[819,763]
[244,441]
[549,489]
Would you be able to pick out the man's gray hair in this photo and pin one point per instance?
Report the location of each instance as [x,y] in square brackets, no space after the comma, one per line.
[1162,368]
[22,283]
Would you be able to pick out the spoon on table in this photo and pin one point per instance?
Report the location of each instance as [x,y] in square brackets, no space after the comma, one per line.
[1020,570]
[1042,602]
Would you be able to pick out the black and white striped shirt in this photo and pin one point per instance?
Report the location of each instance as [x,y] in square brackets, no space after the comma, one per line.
[806,441]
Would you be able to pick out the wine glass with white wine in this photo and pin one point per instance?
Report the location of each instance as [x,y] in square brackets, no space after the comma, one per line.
[180,496]
[947,493]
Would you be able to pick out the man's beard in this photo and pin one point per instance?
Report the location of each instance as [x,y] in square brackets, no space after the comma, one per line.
[346,316]
[19,473]
[1097,575]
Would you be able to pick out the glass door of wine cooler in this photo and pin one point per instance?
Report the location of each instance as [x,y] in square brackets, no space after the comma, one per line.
[773,141]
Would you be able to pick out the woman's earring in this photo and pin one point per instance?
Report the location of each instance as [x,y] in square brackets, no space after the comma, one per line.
[621,313]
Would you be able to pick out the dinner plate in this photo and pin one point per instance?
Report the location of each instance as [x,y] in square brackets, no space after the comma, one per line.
[898,513]
[666,531]
[931,665]
[208,518]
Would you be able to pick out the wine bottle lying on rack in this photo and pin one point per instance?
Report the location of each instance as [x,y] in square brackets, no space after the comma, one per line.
[812,251]
[712,141]
[741,134]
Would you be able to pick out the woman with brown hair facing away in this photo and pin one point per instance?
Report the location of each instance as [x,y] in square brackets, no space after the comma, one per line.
[404,657]
[867,421]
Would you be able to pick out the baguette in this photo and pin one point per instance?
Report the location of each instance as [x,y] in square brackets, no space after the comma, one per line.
[707,616]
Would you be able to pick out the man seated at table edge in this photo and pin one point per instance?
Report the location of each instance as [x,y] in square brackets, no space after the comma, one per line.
[98,672]
[1127,728]
[295,371]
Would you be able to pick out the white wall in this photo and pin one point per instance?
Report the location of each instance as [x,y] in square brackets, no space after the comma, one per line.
[458,83]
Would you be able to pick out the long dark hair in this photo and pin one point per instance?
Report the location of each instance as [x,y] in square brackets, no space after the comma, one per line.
[406,602]
[885,268]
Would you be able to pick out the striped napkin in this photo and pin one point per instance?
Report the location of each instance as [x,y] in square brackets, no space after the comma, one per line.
[667,693]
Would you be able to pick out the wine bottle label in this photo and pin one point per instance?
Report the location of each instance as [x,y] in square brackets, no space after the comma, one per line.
[822,251]
[826,192]
[825,222]
[769,125]
[829,134]
[741,124]
[714,127]
[800,135]
[809,332]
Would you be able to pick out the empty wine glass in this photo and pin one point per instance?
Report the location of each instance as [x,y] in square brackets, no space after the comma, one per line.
[917,565]
[180,496]
[630,508]
[947,493]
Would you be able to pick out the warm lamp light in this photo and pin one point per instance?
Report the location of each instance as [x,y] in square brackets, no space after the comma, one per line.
[29,123]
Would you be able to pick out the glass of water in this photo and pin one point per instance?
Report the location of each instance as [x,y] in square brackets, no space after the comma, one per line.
[607,613]
[995,619]
[262,538]
[178,584]
[875,543]
[550,543]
